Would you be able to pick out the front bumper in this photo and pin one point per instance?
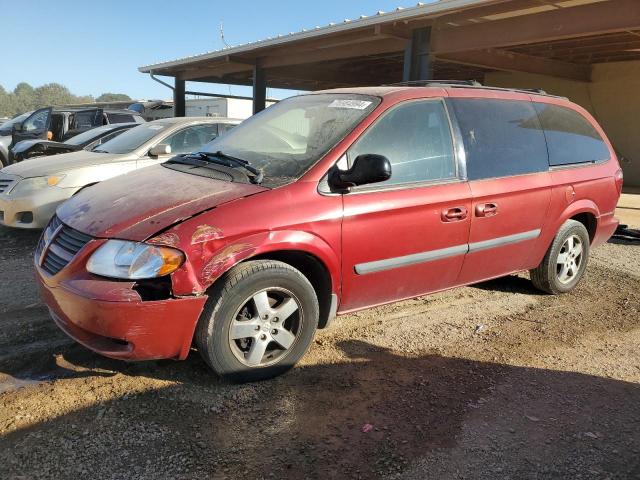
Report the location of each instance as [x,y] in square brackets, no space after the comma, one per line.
[110,318]
[33,211]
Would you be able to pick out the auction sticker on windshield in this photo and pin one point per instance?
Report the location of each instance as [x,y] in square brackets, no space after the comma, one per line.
[354,104]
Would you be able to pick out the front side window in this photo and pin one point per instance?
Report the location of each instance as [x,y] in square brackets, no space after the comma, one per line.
[191,138]
[501,137]
[416,138]
[288,138]
[37,121]
[570,137]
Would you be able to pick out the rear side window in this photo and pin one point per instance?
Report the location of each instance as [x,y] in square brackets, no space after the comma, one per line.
[570,137]
[501,137]
[416,138]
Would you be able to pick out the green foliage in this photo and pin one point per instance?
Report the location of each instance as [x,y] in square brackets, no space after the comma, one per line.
[25,98]
[113,97]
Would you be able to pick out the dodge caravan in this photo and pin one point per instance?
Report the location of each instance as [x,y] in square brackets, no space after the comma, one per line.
[324,204]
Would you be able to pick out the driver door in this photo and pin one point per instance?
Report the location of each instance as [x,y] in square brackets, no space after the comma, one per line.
[35,126]
[406,236]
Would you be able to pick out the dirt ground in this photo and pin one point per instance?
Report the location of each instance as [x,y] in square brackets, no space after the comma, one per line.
[494,381]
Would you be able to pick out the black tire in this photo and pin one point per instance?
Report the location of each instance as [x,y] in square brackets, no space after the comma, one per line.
[546,276]
[233,292]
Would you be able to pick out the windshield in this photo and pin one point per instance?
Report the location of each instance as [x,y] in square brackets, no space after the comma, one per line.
[288,138]
[88,135]
[133,139]
[6,127]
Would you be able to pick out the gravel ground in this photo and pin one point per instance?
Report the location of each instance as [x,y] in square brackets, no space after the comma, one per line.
[485,382]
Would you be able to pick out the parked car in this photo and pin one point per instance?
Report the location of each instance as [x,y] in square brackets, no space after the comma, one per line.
[31,191]
[328,203]
[86,140]
[57,124]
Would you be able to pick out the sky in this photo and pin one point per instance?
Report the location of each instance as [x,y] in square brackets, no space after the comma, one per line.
[95,47]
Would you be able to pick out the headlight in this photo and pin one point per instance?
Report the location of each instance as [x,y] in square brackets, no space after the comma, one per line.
[29,185]
[133,260]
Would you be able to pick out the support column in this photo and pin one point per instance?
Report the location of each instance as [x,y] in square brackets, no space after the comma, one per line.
[418,60]
[259,88]
[179,102]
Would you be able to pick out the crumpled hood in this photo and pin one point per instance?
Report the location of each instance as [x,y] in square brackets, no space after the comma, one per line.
[43,166]
[26,145]
[137,205]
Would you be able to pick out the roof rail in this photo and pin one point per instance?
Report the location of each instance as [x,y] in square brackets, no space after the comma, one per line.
[469,84]
[426,83]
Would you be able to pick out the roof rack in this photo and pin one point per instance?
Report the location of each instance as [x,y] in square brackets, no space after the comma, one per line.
[425,83]
[469,84]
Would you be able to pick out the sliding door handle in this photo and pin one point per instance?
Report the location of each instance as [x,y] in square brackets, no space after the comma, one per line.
[486,210]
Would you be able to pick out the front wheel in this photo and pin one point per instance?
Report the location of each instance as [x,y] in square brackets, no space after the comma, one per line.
[566,260]
[258,322]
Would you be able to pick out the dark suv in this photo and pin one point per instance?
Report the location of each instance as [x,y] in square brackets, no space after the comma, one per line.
[324,204]
[57,124]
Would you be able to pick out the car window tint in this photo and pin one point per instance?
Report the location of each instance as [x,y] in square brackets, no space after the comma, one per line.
[120,118]
[191,138]
[501,137]
[570,137]
[416,138]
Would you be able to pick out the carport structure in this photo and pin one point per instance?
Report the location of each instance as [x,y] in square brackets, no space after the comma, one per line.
[588,50]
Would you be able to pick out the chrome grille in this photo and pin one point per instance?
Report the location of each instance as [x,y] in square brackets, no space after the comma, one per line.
[6,184]
[59,245]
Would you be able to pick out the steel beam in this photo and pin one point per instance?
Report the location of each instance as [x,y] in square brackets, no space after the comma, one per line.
[259,88]
[418,62]
[571,22]
[517,62]
[179,101]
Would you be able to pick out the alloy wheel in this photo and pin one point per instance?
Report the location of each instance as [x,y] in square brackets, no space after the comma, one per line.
[265,327]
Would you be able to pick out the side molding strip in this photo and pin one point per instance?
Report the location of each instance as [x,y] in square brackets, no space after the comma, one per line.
[500,241]
[422,257]
[389,263]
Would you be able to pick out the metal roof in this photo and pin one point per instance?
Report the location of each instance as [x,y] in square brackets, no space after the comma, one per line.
[468,38]
[399,14]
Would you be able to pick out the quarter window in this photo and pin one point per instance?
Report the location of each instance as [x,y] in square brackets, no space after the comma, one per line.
[570,137]
[501,137]
[416,138]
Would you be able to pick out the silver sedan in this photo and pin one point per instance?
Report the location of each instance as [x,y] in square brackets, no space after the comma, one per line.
[30,191]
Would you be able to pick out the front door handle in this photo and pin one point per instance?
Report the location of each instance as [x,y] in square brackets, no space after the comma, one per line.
[454,214]
[486,210]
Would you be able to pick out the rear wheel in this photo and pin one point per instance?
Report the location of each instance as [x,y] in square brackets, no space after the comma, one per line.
[566,260]
[258,322]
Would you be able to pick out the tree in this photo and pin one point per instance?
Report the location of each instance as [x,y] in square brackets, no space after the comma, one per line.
[25,98]
[113,97]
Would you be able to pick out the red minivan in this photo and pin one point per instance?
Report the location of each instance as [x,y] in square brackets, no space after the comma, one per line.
[324,204]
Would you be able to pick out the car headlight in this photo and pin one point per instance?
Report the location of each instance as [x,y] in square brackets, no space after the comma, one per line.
[29,185]
[134,260]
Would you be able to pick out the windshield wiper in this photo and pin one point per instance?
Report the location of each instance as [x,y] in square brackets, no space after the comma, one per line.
[99,151]
[229,161]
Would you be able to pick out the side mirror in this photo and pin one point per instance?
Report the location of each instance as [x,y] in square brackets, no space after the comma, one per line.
[18,127]
[159,150]
[366,169]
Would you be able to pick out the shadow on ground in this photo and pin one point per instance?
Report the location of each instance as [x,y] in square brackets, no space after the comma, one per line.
[431,417]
